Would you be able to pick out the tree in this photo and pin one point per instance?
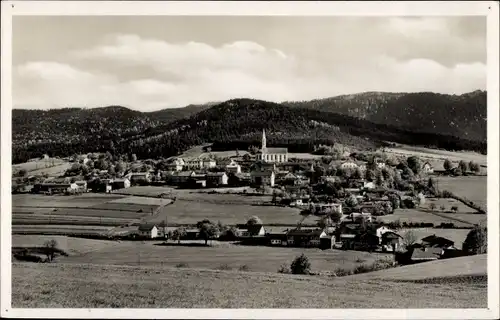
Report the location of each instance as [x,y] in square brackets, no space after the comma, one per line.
[432,206]
[409,239]
[414,164]
[351,201]
[370,175]
[357,174]
[178,234]
[447,165]
[208,231]
[476,241]
[442,208]
[50,249]
[275,196]
[474,167]
[300,265]
[22,172]
[454,208]
[431,184]
[463,166]
[134,157]
[395,201]
[254,221]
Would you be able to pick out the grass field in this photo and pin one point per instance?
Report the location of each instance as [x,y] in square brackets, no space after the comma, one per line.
[190,212]
[145,191]
[39,165]
[33,229]
[100,286]
[472,188]
[73,246]
[426,153]
[436,217]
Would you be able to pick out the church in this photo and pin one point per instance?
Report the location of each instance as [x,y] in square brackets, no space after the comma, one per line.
[276,155]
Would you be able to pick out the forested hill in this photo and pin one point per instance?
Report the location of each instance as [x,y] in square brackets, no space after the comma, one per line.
[235,123]
[457,115]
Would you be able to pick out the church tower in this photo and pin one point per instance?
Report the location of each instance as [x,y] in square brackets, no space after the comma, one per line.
[263,140]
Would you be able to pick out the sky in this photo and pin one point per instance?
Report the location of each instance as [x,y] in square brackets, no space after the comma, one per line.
[156,62]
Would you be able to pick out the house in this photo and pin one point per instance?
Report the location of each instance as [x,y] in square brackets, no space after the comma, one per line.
[216,178]
[297,202]
[349,164]
[325,208]
[104,185]
[181,177]
[193,163]
[262,178]
[176,164]
[233,167]
[357,216]
[246,231]
[277,239]
[208,163]
[437,242]
[275,155]
[391,241]
[239,179]
[368,185]
[327,240]
[191,234]
[366,240]
[120,183]
[347,233]
[149,231]
[54,187]
[305,237]
[139,178]
[82,185]
[425,254]
[427,168]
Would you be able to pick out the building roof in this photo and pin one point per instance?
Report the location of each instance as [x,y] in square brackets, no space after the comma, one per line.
[426,253]
[183,173]
[435,241]
[216,174]
[264,173]
[146,227]
[391,235]
[305,232]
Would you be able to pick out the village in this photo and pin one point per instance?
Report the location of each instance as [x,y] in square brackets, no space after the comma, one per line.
[347,197]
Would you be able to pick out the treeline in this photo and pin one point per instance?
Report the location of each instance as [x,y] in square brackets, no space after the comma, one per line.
[236,124]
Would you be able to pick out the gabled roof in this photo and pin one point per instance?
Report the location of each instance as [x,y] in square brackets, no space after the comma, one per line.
[216,174]
[146,227]
[305,232]
[435,241]
[182,173]
[426,254]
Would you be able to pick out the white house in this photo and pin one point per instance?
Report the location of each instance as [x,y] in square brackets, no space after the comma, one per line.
[368,185]
[193,163]
[427,168]
[149,231]
[233,167]
[176,164]
[208,163]
[349,164]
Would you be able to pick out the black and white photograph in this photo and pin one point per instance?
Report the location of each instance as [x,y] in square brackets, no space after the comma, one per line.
[158,158]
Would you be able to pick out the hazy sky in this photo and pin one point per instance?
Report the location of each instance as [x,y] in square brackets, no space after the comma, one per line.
[149,63]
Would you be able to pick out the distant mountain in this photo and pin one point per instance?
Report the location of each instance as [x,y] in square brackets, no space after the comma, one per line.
[364,120]
[456,115]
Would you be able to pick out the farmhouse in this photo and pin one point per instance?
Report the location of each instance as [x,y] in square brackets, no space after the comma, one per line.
[391,241]
[149,231]
[276,155]
[305,237]
[263,178]
[176,164]
[82,185]
[120,184]
[180,177]
[425,254]
[277,239]
[193,163]
[139,178]
[437,242]
[55,187]
[216,178]
[233,167]
[349,164]
[427,168]
[246,231]
[208,163]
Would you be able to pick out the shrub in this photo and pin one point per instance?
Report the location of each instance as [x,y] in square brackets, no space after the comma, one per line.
[182,265]
[359,260]
[244,268]
[284,269]
[224,266]
[300,265]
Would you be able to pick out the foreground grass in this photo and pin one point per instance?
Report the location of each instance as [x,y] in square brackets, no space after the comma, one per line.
[99,286]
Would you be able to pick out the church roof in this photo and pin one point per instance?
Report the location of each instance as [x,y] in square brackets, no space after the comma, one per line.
[276,150]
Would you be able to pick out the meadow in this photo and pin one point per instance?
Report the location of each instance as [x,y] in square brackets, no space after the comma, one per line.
[426,153]
[190,212]
[101,286]
[473,188]
[39,165]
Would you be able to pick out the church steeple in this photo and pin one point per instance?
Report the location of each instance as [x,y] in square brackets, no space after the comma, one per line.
[263,140]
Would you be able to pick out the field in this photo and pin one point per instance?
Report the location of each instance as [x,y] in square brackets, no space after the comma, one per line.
[39,165]
[436,217]
[52,229]
[472,188]
[256,258]
[73,246]
[100,286]
[190,212]
[89,213]
[145,191]
[426,153]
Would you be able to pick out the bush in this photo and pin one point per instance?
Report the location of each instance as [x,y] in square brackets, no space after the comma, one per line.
[244,268]
[224,266]
[284,269]
[182,265]
[476,241]
[300,265]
